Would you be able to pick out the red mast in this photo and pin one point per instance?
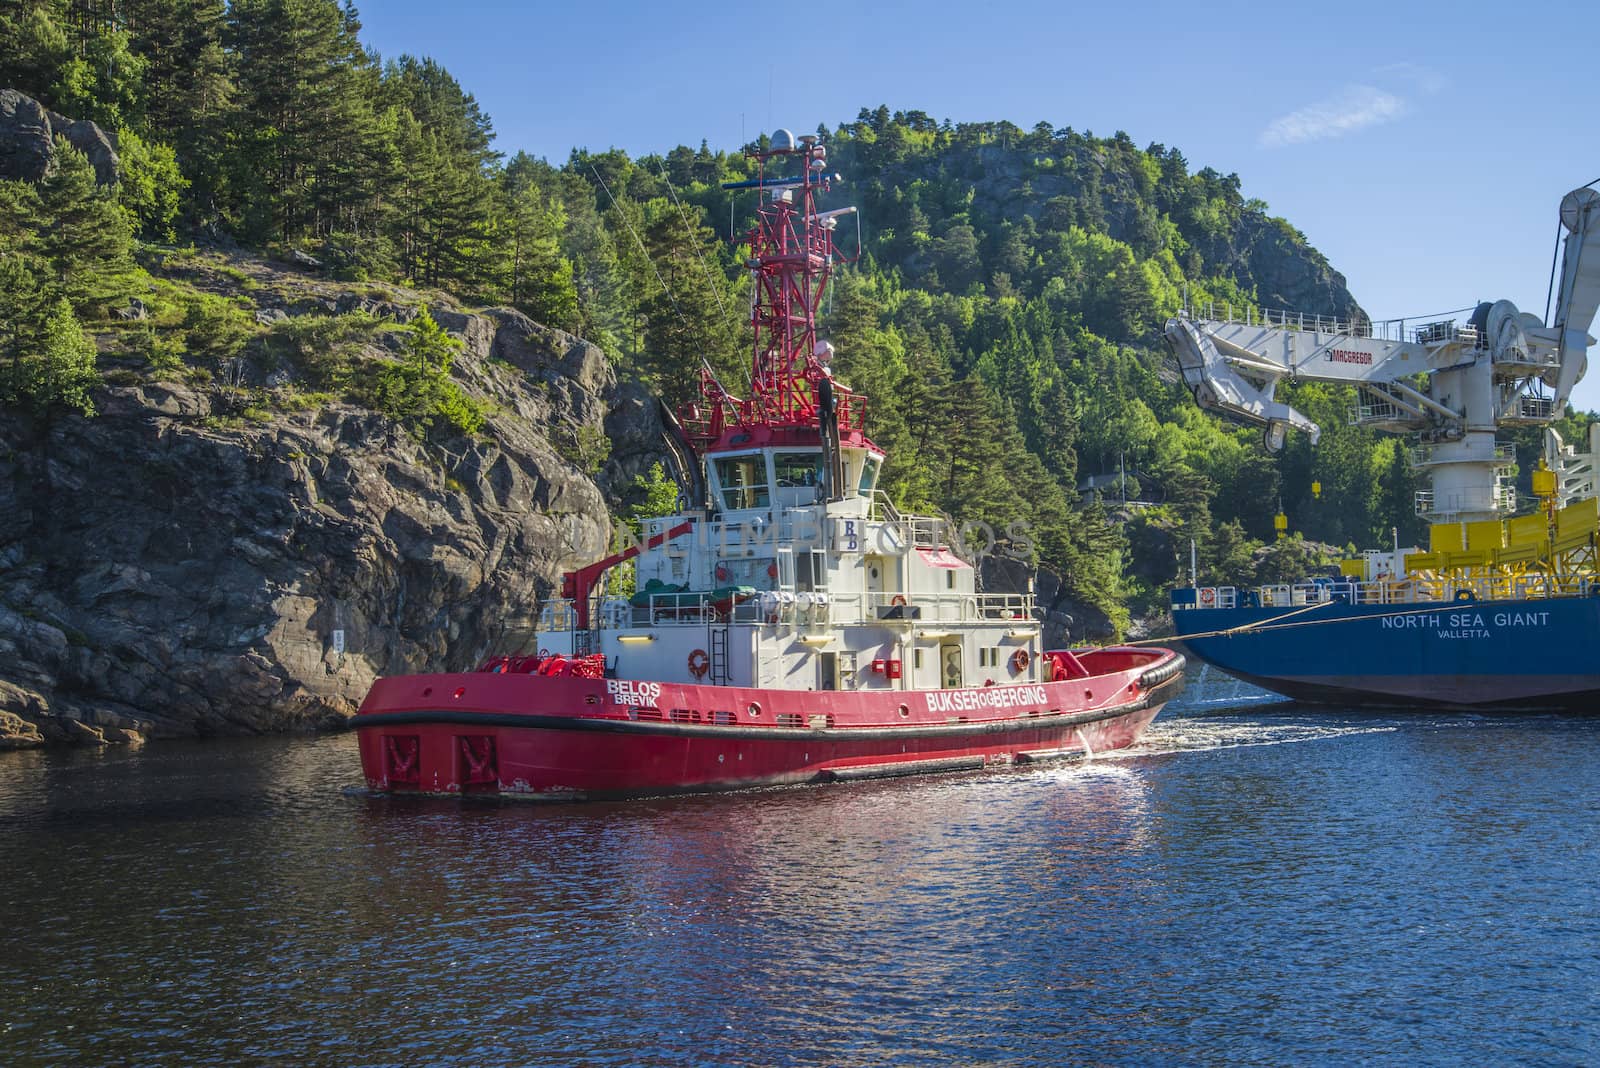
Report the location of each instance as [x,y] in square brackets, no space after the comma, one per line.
[791,258]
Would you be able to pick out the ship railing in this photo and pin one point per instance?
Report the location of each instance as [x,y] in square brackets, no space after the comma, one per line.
[1439,332]
[1445,332]
[1428,588]
[883,509]
[1408,590]
[944,608]
[1205,597]
[1418,588]
[1501,499]
[1284,595]
[1305,594]
[1505,454]
[1282,319]
[921,531]
[1367,410]
[1532,409]
[924,531]
[661,610]
[557,615]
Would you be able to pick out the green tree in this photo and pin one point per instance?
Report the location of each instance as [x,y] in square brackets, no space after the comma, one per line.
[689,317]
[34,47]
[84,237]
[418,389]
[305,115]
[188,95]
[151,187]
[1229,559]
[60,372]
[540,279]
[22,315]
[103,78]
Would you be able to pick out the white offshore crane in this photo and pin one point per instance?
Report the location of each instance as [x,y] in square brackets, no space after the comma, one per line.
[1452,385]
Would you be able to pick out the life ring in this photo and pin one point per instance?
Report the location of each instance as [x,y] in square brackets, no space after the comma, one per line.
[1208,597]
[898,600]
[699,663]
[1019,660]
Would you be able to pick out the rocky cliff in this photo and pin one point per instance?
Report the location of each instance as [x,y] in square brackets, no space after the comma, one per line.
[175,567]
[27,139]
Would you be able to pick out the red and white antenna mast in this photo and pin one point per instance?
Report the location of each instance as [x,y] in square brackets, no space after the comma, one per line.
[791,257]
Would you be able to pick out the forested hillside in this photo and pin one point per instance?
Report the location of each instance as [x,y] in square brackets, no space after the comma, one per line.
[1004,316]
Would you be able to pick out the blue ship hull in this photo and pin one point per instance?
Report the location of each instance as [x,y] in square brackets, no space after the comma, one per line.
[1541,654]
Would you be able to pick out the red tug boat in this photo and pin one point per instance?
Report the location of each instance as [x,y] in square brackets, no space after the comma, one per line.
[789,625]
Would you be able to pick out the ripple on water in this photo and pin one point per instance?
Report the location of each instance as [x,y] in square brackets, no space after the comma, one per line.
[1255,883]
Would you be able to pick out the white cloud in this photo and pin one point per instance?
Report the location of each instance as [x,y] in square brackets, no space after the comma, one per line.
[1356,108]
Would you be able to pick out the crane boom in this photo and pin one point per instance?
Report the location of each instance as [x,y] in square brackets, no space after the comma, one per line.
[1452,385]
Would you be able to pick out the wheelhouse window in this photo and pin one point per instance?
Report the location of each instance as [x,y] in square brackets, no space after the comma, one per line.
[744,481]
[797,478]
[797,469]
[869,475]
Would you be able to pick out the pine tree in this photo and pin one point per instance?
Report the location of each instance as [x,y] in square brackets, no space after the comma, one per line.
[23,276]
[303,114]
[188,90]
[688,317]
[85,238]
[34,47]
[539,279]
[22,313]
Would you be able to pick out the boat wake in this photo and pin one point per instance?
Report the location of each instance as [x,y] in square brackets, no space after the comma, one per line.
[1195,734]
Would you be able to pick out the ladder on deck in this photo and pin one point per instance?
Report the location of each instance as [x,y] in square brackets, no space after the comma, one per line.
[719,656]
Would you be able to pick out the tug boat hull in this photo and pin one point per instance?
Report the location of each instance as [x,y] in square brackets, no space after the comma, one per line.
[569,738]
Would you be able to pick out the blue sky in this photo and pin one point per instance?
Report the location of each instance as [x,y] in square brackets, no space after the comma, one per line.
[1423,148]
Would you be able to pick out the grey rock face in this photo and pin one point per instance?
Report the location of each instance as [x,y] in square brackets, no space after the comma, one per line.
[166,573]
[27,140]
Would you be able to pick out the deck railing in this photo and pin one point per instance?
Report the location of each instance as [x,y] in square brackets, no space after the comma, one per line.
[1412,590]
[1437,332]
[811,610]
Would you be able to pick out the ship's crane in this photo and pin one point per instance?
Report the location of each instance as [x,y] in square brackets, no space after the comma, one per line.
[1453,385]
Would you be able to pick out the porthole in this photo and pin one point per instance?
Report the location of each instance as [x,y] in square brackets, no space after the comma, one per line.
[755,710]
[904,712]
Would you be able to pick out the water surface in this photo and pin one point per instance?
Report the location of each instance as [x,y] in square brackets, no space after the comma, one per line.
[1258,883]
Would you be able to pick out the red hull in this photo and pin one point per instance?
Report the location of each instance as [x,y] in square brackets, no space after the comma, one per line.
[568,738]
